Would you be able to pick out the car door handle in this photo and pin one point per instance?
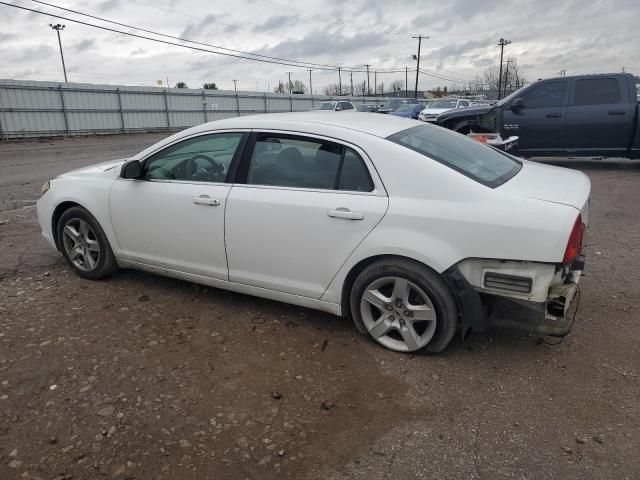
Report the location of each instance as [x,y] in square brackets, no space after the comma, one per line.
[206,200]
[554,115]
[617,112]
[345,213]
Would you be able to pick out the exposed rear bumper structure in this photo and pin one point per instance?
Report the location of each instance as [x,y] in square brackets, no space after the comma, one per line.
[551,317]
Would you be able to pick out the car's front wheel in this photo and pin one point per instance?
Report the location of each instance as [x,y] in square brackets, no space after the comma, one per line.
[84,244]
[404,306]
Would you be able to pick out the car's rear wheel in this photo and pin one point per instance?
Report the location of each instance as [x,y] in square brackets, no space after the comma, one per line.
[84,244]
[404,306]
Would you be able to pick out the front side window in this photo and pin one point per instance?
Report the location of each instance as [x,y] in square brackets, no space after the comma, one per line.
[596,91]
[477,161]
[347,106]
[206,158]
[301,162]
[549,94]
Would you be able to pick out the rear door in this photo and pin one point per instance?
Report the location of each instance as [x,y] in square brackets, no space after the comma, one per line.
[300,206]
[599,116]
[540,122]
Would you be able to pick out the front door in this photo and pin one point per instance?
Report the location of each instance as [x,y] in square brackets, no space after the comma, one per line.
[539,121]
[174,216]
[304,206]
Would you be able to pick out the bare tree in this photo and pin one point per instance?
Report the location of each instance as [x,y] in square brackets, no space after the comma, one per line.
[279,88]
[332,89]
[181,85]
[298,87]
[512,77]
[397,85]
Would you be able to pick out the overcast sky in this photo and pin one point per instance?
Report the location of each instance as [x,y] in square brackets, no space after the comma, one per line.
[579,36]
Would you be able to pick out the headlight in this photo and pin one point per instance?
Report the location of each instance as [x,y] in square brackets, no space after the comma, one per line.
[45,188]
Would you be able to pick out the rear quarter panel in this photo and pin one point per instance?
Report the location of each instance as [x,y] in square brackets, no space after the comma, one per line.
[439,217]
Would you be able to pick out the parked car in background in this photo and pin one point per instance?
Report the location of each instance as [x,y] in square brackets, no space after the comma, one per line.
[366,108]
[408,110]
[436,107]
[395,103]
[414,231]
[584,115]
[336,106]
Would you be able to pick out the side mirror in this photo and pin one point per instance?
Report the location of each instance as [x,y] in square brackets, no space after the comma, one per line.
[338,109]
[131,170]
[516,105]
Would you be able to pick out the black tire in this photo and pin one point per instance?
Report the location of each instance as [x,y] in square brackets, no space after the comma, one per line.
[105,264]
[430,282]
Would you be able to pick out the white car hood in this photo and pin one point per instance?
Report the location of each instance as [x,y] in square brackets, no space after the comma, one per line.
[550,184]
[96,169]
[434,111]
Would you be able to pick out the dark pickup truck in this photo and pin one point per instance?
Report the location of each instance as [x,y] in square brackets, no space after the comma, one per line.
[587,115]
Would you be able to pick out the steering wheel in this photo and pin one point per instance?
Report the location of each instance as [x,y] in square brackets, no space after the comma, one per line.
[215,169]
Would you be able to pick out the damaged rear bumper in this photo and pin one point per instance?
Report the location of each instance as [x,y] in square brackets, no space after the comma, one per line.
[553,316]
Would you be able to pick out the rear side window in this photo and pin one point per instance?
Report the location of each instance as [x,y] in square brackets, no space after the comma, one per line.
[477,161]
[302,162]
[596,91]
[549,94]
[354,175]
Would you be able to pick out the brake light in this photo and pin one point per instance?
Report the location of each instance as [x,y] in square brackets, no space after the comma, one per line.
[574,245]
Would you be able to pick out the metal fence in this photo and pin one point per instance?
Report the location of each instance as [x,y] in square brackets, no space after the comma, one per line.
[34,109]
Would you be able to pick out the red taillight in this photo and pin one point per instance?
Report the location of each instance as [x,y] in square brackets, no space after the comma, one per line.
[574,245]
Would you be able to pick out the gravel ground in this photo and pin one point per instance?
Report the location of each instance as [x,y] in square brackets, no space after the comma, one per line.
[145,377]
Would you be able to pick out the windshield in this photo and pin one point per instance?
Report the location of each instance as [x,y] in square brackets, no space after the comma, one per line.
[443,104]
[405,108]
[326,106]
[514,95]
[476,160]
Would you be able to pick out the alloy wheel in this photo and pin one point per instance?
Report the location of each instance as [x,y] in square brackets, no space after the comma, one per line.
[398,314]
[81,244]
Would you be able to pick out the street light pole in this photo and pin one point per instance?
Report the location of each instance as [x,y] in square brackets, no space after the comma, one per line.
[310,84]
[406,82]
[501,44]
[235,85]
[289,73]
[339,82]
[57,27]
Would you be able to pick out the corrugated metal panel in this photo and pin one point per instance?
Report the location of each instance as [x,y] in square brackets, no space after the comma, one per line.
[32,108]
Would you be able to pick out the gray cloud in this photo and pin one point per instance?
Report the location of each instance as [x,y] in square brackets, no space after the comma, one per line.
[84,45]
[275,23]
[547,36]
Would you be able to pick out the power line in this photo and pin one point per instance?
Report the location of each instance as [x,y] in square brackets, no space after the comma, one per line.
[174,37]
[291,63]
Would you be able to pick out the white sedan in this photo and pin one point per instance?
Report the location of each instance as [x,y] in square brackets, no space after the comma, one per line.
[412,230]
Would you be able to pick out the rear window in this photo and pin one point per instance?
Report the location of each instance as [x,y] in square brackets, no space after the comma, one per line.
[477,161]
[596,91]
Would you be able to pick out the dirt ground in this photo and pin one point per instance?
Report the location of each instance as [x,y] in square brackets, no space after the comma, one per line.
[145,377]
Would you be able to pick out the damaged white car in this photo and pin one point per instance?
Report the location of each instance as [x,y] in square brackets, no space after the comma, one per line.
[412,230]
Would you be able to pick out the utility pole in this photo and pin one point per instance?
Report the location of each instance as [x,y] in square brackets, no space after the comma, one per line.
[339,82]
[289,73]
[310,84]
[235,85]
[57,27]
[624,69]
[375,83]
[419,37]
[506,77]
[501,44]
[563,73]
[368,87]
[406,82]
[351,75]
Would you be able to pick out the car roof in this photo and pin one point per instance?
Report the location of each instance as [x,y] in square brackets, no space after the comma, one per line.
[377,125]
